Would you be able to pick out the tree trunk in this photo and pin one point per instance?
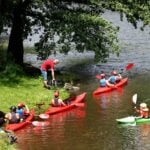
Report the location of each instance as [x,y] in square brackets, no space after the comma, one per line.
[15,47]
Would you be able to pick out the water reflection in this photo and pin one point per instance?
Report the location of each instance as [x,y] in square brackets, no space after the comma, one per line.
[105,99]
[54,134]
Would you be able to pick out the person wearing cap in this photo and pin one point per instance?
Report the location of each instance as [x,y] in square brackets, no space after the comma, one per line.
[143,111]
[48,64]
[103,81]
[22,110]
[12,116]
[114,78]
[56,101]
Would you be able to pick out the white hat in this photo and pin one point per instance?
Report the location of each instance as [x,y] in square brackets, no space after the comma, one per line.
[143,105]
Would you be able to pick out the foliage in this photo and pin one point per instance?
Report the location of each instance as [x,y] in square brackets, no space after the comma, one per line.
[71,24]
[135,10]
[2,55]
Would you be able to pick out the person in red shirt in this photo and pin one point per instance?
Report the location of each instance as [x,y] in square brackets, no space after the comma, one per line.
[48,64]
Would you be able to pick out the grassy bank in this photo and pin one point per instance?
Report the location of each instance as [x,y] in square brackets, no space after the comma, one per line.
[4,143]
[17,87]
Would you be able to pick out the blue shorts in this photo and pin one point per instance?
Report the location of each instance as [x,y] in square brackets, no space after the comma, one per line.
[44,74]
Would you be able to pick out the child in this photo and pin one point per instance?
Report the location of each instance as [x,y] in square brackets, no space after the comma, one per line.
[13,116]
[102,81]
[56,101]
[143,111]
[114,78]
[21,111]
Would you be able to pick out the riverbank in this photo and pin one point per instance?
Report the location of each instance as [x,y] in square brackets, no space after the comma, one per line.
[17,86]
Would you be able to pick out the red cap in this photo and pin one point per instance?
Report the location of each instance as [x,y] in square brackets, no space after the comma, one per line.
[102,75]
[114,73]
[21,105]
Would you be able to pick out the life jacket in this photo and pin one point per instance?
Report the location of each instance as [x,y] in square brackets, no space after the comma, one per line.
[102,82]
[20,112]
[112,79]
[144,114]
[56,101]
[13,119]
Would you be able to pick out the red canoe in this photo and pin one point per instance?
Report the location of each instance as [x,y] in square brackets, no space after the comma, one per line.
[107,89]
[17,126]
[78,101]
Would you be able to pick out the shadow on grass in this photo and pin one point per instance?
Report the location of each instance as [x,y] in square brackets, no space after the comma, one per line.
[10,81]
[14,76]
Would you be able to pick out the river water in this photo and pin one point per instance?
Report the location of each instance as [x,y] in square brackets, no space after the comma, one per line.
[94,127]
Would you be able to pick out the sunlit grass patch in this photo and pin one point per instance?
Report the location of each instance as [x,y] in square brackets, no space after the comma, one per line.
[21,88]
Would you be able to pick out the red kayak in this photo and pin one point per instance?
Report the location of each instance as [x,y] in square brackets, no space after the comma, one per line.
[76,102]
[107,89]
[17,126]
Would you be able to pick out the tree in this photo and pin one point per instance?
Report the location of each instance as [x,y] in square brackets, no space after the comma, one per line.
[67,25]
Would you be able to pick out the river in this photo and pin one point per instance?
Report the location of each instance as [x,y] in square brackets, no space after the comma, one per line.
[94,127]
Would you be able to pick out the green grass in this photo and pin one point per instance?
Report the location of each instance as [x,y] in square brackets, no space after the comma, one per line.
[4,143]
[17,87]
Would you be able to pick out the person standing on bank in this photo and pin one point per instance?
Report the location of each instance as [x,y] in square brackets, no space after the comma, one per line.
[46,65]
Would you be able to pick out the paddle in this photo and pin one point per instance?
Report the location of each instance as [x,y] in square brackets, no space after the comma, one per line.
[40,123]
[79,104]
[98,76]
[128,67]
[134,99]
[44,116]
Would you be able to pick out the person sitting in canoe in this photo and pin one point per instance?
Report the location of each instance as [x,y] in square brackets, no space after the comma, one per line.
[103,81]
[9,134]
[12,117]
[56,101]
[22,110]
[114,78]
[143,111]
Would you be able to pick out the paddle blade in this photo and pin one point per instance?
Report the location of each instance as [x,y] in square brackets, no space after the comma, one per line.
[80,104]
[98,76]
[134,98]
[40,123]
[44,116]
[129,66]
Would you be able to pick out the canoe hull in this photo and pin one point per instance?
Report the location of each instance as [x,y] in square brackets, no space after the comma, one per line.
[100,90]
[54,110]
[132,119]
[17,126]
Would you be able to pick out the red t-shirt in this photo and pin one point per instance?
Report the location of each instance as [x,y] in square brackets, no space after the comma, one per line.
[47,64]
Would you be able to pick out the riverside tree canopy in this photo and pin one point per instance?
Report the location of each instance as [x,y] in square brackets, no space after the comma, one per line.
[66,25]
